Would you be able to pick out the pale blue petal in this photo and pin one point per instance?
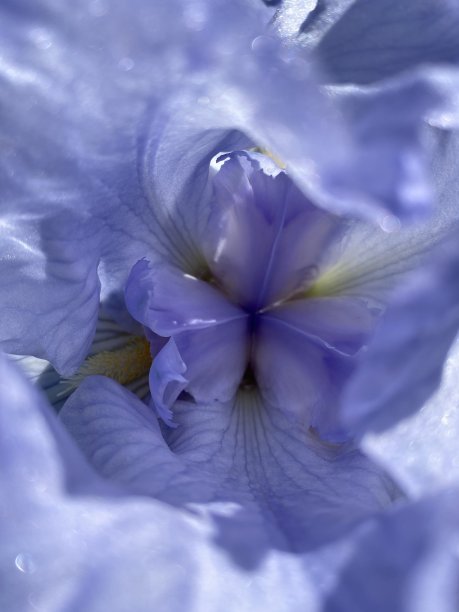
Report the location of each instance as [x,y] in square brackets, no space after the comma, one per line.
[375,40]
[90,158]
[258,215]
[49,287]
[69,545]
[301,375]
[167,380]
[406,561]
[378,163]
[404,362]
[38,457]
[405,358]
[289,492]
[216,359]
[359,42]
[421,452]
[219,540]
[390,156]
[370,261]
[168,301]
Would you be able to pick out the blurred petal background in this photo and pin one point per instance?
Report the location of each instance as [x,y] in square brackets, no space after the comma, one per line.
[111,115]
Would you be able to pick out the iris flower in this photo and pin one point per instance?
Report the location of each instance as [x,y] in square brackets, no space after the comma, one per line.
[229,258]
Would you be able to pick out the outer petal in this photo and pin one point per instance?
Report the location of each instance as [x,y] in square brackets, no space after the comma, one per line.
[406,561]
[370,262]
[61,551]
[421,451]
[405,359]
[373,41]
[52,62]
[390,155]
[49,287]
[264,483]
[341,177]
[71,541]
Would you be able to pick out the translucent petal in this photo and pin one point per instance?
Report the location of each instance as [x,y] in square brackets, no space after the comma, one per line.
[259,216]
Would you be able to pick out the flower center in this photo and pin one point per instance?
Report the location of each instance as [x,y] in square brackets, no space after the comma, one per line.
[260,315]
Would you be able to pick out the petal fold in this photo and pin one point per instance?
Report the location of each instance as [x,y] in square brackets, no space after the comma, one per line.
[49,287]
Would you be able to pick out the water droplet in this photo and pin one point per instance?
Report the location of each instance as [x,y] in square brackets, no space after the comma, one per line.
[390,224]
[25,563]
[262,43]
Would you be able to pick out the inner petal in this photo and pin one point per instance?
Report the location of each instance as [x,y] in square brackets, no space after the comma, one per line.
[216,359]
[300,376]
[264,239]
[167,301]
[340,324]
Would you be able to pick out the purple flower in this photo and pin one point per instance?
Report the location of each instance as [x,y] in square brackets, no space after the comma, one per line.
[248,306]
[293,315]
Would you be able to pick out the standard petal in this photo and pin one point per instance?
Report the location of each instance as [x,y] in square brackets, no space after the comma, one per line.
[258,216]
